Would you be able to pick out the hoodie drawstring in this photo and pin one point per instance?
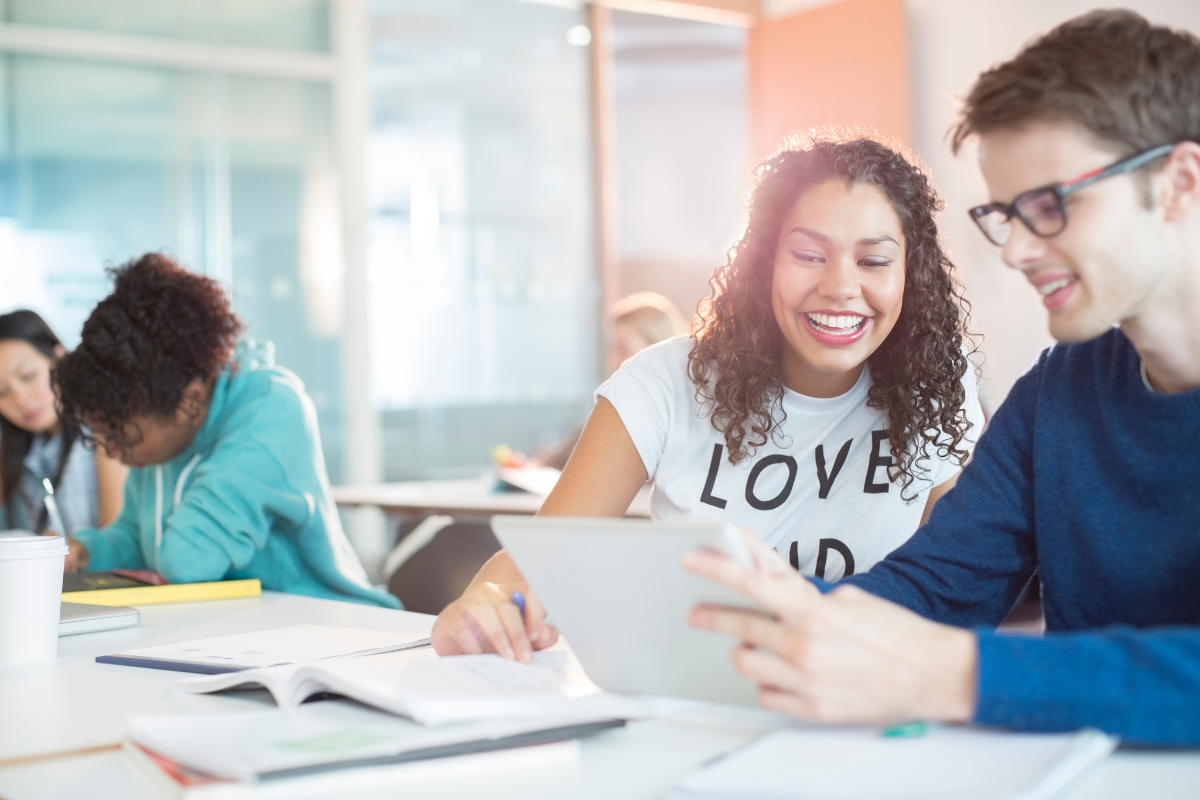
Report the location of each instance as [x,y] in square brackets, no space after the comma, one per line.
[158,504]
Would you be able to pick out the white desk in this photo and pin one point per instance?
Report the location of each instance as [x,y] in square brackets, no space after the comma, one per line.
[74,703]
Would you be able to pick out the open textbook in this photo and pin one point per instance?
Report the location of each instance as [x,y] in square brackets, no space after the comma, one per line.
[434,690]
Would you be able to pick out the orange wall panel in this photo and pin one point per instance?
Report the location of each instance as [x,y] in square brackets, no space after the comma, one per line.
[841,64]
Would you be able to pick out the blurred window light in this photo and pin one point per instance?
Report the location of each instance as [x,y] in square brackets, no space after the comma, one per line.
[682,150]
[322,264]
[471,57]
[482,289]
[579,35]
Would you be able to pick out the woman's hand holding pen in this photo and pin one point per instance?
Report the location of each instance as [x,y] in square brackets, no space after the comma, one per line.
[486,619]
[77,555]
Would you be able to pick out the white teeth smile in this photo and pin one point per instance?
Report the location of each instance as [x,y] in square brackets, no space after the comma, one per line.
[838,324]
[1054,286]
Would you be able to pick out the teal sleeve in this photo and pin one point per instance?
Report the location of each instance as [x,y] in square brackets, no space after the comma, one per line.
[117,545]
[239,493]
[227,513]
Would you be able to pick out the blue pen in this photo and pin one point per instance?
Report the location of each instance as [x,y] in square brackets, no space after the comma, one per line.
[519,601]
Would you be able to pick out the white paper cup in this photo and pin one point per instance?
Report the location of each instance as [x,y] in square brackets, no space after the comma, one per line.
[31,570]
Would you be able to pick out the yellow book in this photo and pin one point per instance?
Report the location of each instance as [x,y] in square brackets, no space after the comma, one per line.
[169,593]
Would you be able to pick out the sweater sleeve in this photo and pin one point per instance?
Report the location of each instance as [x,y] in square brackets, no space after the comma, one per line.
[118,544]
[1142,685]
[238,493]
[967,566]
[226,515]
[969,563]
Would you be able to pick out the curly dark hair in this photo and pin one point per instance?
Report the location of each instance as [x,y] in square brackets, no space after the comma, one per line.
[161,327]
[916,374]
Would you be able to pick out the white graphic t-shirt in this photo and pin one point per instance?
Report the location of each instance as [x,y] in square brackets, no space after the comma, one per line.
[818,492]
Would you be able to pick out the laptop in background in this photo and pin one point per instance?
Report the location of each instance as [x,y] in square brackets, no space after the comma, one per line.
[80,618]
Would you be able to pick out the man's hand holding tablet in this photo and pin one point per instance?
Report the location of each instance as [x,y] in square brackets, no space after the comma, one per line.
[616,590]
[843,657]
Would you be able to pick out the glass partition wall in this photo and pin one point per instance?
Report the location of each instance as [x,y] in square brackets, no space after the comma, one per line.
[106,154]
[482,280]
[216,132]
[682,151]
[205,130]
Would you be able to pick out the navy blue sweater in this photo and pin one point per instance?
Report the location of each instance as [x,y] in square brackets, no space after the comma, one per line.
[1093,480]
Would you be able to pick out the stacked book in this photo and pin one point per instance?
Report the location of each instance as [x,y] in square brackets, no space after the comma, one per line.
[385,699]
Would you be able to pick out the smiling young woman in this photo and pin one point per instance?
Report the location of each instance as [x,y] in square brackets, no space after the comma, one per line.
[824,400]
[840,281]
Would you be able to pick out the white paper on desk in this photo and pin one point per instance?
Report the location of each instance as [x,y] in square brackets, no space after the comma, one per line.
[292,645]
[247,745]
[538,481]
[948,763]
[441,690]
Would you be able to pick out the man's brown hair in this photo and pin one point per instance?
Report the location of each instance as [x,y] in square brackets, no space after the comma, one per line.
[1132,84]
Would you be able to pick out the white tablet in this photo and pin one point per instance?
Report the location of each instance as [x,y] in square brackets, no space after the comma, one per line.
[616,590]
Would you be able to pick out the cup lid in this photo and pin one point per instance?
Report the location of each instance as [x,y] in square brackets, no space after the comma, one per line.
[13,543]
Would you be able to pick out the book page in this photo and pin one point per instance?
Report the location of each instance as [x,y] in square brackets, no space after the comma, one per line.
[439,690]
[292,645]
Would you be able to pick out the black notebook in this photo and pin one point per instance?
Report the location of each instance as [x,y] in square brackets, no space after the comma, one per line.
[89,581]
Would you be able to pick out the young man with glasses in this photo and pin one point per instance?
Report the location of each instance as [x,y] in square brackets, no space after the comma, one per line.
[1089,475]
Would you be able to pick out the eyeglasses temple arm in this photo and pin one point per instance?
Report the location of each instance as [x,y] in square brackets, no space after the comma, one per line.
[1125,165]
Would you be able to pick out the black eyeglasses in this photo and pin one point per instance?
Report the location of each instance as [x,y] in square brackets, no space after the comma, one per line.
[1042,209]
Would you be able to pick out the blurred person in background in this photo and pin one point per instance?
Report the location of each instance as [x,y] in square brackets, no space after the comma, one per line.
[88,486]
[638,321]
[228,477]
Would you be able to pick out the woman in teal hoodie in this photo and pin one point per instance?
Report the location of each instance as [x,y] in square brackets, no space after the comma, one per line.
[228,478]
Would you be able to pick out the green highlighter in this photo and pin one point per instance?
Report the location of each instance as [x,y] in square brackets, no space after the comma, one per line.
[905,730]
